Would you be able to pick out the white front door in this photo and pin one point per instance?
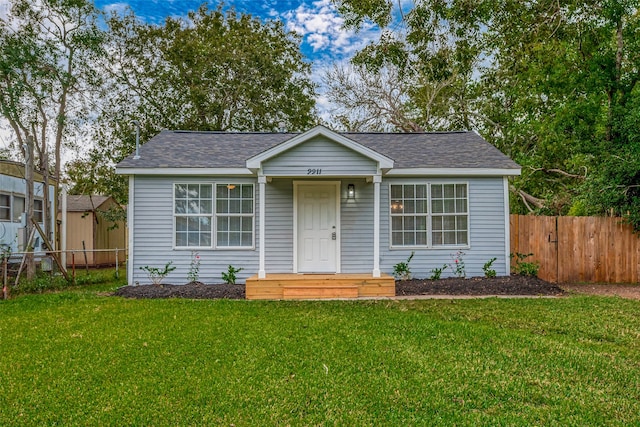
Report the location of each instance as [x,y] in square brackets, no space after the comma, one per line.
[317,233]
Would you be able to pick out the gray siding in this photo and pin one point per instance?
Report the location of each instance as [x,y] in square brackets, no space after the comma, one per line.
[486,232]
[357,227]
[320,153]
[279,227]
[152,230]
[356,219]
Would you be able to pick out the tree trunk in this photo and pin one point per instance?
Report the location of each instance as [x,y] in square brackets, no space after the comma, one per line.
[29,172]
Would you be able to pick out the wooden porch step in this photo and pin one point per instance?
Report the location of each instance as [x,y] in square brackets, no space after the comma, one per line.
[319,286]
[319,292]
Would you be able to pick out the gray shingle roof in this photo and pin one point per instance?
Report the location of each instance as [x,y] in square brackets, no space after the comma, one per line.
[186,149]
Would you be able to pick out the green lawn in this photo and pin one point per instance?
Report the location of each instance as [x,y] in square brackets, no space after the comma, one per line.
[78,358]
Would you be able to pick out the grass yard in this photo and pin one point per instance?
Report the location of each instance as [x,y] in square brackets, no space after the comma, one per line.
[76,357]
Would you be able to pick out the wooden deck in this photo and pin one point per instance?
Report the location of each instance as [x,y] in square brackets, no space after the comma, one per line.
[319,286]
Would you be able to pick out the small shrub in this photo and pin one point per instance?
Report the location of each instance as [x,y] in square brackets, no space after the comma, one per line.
[525,268]
[229,276]
[401,270]
[488,271]
[156,275]
[436,273]
[458,264]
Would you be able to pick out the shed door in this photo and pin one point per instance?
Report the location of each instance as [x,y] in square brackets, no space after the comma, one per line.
[317,227]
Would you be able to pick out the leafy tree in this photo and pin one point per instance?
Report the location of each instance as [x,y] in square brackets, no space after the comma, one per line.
[45,80]
[365,100]
[553,84]
[215,70]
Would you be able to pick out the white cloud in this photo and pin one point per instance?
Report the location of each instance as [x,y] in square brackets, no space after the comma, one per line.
[321,27]
[118,8]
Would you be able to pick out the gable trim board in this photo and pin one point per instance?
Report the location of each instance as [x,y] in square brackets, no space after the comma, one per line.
[278,164]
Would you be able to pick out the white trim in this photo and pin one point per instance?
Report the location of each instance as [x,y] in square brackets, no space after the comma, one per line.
[223,172]
[255,162]
[453,172]
[377,179]
[507,228]
[130,222]
[262,181]
[337,185]
[216,215]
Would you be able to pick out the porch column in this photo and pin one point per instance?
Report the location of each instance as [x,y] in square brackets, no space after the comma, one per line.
[377,179]
[262,181]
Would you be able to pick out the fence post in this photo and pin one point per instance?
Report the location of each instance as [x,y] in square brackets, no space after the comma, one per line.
[5,289]
[117,273]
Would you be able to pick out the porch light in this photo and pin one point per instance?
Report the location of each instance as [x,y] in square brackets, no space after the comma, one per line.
[351,191]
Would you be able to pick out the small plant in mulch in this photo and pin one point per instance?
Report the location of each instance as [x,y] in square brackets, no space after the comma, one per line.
[436,273]
[458,264]
[194,268]
[401,270]
[525,268]
[488,271]
[229,276]
[155,274]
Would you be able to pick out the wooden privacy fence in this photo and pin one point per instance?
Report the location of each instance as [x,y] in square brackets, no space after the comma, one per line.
[578,249]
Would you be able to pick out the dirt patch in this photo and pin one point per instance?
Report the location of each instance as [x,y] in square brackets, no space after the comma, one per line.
[477,286]
[605,289]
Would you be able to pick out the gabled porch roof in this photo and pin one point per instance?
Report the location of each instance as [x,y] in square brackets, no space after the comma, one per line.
[255,163]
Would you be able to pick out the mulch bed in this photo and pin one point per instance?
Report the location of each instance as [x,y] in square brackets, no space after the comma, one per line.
[476,286]
[193,290]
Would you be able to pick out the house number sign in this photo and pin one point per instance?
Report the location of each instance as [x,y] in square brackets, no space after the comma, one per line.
[314,171]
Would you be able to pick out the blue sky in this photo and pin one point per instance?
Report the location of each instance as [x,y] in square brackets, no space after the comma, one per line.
[316,21]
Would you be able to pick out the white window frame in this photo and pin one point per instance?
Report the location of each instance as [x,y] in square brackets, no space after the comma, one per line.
[429,215]
[403,215]
[176,215]
[240,215]
[449,214]
[214,216]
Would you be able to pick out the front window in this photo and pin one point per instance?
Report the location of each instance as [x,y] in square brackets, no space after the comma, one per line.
[409,215]
[214,215]
[193,214]
[234,215]
[429,215]
[449,221]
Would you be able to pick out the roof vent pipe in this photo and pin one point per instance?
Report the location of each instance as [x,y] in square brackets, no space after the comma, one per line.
[137,125]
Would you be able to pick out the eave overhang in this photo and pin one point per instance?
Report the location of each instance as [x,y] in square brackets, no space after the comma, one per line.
[186,171]
[453,172]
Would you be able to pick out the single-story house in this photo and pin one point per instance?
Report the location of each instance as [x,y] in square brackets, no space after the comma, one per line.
[13,194]
[297,205]
[88,230]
